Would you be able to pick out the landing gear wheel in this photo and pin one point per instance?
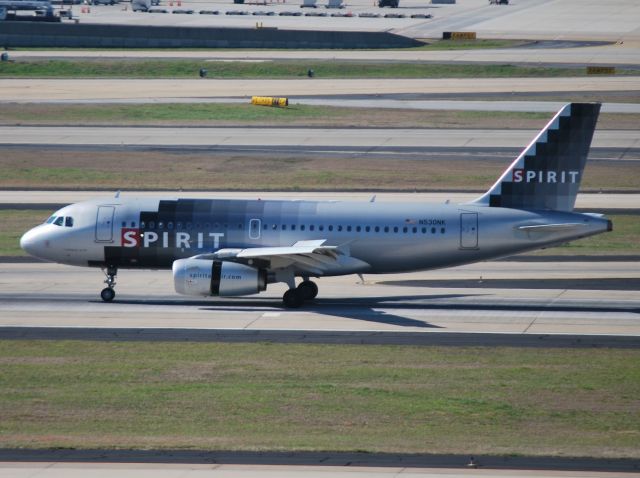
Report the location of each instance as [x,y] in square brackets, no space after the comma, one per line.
[107,294]
[308,290]
[292,299]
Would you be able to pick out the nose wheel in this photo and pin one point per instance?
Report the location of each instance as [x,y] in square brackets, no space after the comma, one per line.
[108,293]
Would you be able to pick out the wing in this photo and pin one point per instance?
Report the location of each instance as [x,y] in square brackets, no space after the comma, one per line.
[310,257]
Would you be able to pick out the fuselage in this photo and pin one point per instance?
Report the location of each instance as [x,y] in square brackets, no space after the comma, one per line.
[383,237]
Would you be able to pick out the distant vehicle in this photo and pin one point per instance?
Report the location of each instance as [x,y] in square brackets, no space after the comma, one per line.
[388,3]
[104,2]
[230,247]
[498,2]
[183,11]
[209,12]
[261,13]
[140,5]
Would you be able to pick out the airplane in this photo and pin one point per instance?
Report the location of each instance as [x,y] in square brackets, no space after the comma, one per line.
[228,247]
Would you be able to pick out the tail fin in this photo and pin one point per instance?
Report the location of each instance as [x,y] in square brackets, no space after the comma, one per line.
[547,174]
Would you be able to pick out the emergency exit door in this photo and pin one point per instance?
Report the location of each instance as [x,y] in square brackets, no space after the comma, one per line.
[104,224]
[469,230]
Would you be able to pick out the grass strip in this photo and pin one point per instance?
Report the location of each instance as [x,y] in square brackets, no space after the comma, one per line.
[173,68]
[243,114]
[623,240]
[114,168]
[320,397]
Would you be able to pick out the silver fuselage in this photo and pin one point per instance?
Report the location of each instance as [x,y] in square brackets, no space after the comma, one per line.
[380,237]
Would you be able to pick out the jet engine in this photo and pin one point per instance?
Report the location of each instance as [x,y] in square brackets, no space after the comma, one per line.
[202,277]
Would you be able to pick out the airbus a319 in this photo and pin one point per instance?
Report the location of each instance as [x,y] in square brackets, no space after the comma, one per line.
[223,247]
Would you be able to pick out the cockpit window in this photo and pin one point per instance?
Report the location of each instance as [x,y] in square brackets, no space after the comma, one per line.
[68,222]
[50,220]
[59,221]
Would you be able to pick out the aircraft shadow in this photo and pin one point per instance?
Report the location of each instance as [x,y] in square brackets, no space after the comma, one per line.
[575,284]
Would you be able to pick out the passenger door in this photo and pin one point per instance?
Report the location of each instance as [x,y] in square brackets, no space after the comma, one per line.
[104,223]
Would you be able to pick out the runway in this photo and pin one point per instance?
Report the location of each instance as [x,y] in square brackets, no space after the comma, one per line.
[35,90]
[590,298]
[300,138]
[143,470]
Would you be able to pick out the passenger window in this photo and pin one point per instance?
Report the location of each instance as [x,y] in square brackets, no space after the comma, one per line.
[386,228]
[320,228]
[377,229]
[124,223]
[348,228]
[442,230]
[178,225]
[395,229]
[274,227]
[59,221]
[367,228]
[68,222]
[415,229]
[339,228]
[312,227]
[133,223]
[358,228]
[331,228]
[284,227]
[433,230]
[152,225]
[293,227]
[170,225]
[160,225]
[404,229]
[424,230]
[142,225]
[302,227]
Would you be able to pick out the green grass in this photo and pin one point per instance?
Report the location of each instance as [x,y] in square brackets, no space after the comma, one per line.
[623,240]
[14,224]
[314,397]
[102,68]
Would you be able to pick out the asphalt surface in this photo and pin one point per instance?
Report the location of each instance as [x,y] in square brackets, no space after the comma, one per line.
[563,20]
[91,89]
[324,463]
[615,142]
[580,299]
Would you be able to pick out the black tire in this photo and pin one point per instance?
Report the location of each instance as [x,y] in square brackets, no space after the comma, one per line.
[292,299]
[308,290]
[107,294]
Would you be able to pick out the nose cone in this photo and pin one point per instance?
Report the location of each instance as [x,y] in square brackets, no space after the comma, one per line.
[33,243]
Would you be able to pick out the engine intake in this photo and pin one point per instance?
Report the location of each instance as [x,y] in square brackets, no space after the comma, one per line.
[202,277]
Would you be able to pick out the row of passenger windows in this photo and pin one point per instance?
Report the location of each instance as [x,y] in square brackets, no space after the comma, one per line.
[60,221]
[293,227]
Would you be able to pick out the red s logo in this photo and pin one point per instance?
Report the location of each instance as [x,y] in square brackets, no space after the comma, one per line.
[130,237]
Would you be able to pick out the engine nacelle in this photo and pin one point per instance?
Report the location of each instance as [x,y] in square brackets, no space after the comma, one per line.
[202,277]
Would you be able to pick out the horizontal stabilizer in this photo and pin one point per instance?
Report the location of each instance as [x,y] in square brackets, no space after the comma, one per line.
[551,227]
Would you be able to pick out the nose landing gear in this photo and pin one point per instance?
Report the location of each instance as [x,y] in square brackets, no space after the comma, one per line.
[108,294]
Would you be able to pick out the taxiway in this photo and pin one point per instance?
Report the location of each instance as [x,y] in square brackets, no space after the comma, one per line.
[601,298]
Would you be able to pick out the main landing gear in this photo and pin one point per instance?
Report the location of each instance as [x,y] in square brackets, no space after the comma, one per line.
[294,298]
[108,294]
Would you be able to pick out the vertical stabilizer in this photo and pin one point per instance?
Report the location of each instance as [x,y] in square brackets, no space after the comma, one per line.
[547,174]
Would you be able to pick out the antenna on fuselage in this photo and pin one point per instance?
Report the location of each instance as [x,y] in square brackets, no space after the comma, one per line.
[373,198]
[117,194]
